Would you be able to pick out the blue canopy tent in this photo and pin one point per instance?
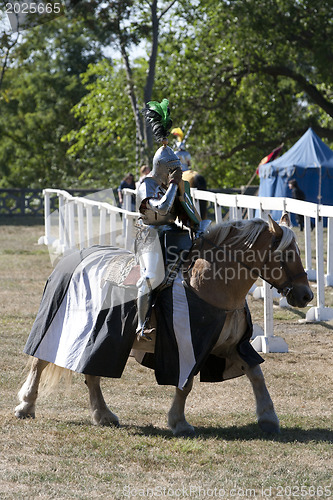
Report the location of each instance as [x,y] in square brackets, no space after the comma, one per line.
[310,162]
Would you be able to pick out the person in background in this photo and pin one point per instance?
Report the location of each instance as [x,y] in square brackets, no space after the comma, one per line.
[144,171]
[297,194]
[127,182]
[183,155]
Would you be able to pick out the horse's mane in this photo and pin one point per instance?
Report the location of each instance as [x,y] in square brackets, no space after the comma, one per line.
[246,234]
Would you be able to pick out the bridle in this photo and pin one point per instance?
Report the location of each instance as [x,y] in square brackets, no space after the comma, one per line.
[287,285]
[284,289]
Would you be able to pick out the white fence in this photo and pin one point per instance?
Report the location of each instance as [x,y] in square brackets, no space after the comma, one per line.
[76,219]
[240,205]
[75,230]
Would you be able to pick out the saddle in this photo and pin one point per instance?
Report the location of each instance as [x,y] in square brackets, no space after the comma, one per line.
[122,271]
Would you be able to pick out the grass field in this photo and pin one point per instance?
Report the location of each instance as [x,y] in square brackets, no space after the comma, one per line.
[61,455]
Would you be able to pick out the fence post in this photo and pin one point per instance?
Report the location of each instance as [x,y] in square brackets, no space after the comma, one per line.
[90,237]
[113,228]
[251,213]
[320,312]
[329,275]
[268,342]
[218,212]
[80,216]
[71,224]
[307,244]
[102,221]
[66,226]
[128,232]
[47,217]
[61,221]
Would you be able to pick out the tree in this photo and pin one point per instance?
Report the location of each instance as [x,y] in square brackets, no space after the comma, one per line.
[124,25]
[247,74]
[238,71]
[265,78]
[7,44]
[40,87]
[104,145]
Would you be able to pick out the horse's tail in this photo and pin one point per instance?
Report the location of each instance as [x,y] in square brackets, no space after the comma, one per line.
[52,376]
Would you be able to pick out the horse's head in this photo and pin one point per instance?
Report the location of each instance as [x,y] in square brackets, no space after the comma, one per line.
[284,268]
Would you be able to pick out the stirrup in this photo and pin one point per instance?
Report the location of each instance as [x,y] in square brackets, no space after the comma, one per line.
[143,334]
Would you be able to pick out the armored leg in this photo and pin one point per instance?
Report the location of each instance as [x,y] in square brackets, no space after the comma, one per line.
[144,304]
[152,274]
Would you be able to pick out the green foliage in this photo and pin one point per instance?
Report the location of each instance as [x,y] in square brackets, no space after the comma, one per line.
[105,143]
[39,90]
[247,75]
[254,75]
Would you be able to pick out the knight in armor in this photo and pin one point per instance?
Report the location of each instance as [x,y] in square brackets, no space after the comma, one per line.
[155,201]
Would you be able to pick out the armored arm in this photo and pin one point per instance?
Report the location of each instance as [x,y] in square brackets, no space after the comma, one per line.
[164,205]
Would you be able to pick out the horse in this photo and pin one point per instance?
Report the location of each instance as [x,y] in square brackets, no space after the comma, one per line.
[219,269]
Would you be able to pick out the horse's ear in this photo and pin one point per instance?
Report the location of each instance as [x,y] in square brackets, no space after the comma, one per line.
[285,219]
[274,227]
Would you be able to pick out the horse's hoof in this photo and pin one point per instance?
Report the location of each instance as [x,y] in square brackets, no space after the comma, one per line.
[269,427]
[22,413]
[184,431]
[189,433]
[108,419]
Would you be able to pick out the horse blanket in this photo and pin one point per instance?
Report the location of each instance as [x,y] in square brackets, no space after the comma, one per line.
[87,324]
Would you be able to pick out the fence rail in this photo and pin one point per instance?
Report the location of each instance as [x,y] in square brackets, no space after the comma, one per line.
[29,201]
[75,222]
[75,230]
[237,204]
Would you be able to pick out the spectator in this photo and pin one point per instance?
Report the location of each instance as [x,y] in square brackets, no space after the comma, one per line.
[127,182]
[297,194]
[144,171]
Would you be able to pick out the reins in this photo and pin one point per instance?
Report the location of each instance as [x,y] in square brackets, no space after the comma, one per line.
[283,289]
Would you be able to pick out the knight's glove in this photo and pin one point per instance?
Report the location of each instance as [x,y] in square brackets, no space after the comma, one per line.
[175,176]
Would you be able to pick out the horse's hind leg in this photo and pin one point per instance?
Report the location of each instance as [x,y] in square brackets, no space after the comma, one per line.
[267,418]
[29,390]
[100,413]
[176,416]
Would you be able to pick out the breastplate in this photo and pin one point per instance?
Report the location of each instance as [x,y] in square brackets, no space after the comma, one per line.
[149,188]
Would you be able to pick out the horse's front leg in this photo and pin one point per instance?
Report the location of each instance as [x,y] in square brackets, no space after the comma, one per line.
[267,418]
[176,416]
[100,413]
[29,390]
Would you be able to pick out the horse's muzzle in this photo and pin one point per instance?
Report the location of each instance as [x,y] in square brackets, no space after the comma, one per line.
[299,296]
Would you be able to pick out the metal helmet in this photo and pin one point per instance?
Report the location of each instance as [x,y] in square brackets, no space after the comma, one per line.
[164,162]
[181,145]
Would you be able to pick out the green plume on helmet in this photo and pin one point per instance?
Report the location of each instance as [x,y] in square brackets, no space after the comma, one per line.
[158,115]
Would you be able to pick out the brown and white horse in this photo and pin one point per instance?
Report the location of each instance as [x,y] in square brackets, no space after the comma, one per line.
[222,266]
